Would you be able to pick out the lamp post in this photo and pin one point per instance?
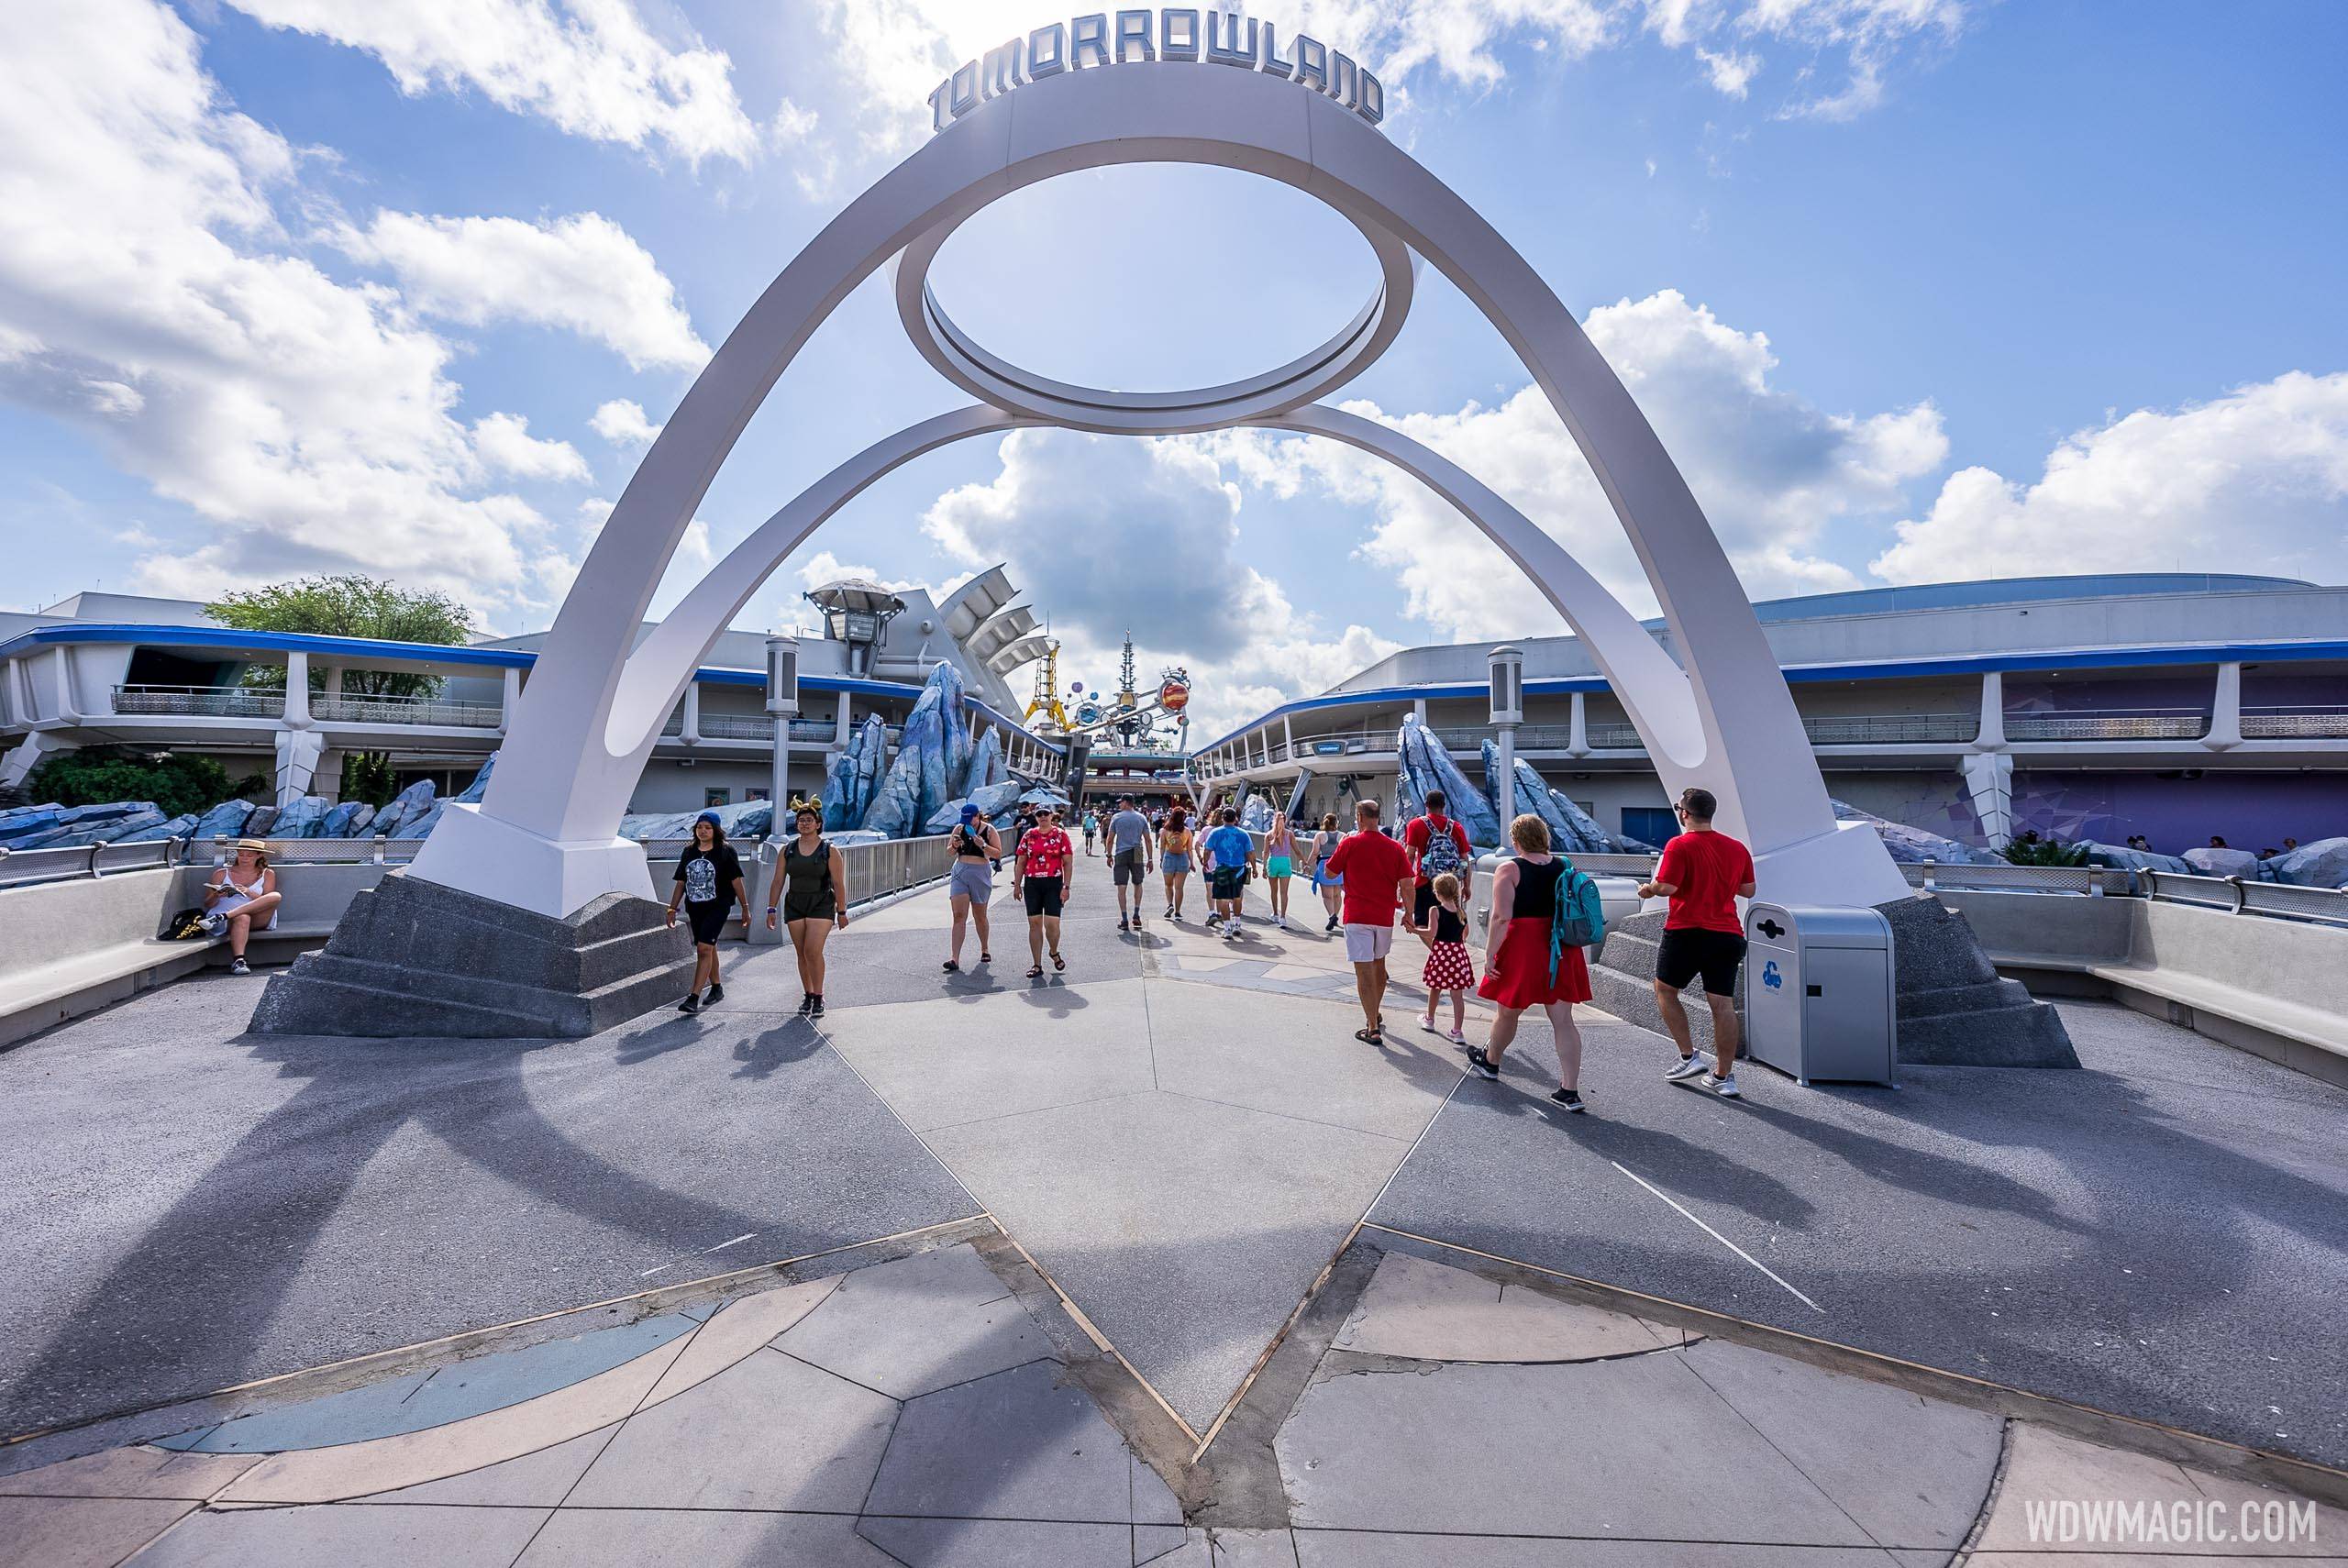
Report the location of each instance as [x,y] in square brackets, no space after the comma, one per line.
[783,705]
[1506,665]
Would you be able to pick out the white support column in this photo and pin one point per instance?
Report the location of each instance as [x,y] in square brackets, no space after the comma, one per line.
[513,695]
[1288,737]
[1989,779]
[1419,709]
[2225,709]
[1992,736]
[297,689]
[326,782]
[63,664]
[1578,725]
[690,731]
[843,724]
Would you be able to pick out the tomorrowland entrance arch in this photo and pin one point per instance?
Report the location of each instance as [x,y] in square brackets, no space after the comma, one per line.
[543,837]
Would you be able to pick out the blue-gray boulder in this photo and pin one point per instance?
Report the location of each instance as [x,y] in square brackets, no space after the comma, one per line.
[403,809]
[180,826]
[1425,765]
[2122,858]
[1912,846]
[226,819]
[473,792]
[2324,863]
[855,776]
[993,800]
[918,783]
[347,819]
[302,818]
[257,825]
[987,765]
[26,822]
[114,828]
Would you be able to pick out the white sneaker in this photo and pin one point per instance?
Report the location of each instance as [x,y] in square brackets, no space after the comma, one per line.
[1723,1087]
[1683,1068]
[1429,1026]
[1457,1038]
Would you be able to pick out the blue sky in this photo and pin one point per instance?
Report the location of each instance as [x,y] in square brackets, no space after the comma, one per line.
[1913,290]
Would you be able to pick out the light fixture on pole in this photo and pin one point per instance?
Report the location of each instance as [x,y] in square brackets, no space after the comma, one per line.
[1507,667]
[783,706]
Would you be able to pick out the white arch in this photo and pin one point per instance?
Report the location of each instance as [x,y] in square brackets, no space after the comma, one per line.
[542,838]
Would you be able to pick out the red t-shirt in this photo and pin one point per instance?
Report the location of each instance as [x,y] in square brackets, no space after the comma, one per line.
[1416,831]
[1373,867]
[1043,853]
[1708,869]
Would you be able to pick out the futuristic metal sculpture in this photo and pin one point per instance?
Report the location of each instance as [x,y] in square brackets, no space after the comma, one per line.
[543,837]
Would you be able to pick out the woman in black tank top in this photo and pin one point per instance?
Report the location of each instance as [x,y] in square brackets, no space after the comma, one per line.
[814,903]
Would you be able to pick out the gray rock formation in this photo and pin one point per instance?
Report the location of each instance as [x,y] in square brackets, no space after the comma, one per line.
[403,809]
[993,800]
[920,781]
[2208,862]
[2124,859]
[2324,863]
[301,818]
[1912,846]
[413,959]
[226,819]
[180,826]
[1572,831]
[349,819]
[856,774]
[1425,765]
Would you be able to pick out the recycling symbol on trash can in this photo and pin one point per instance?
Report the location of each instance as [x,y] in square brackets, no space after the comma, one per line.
[1769,976]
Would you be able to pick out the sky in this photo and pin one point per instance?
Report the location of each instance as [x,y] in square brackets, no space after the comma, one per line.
[1912,289]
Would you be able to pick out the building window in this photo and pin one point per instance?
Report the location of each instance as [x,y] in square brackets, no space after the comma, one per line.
[755,792]
[715,797]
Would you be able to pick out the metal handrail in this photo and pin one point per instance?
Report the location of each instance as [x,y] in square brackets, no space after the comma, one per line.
[202,701]
[347,707]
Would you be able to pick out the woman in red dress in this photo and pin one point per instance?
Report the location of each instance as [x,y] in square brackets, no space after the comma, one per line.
[1517,970]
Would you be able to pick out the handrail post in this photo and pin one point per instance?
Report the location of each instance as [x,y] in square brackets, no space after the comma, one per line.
[97,847]
[2241,898]
[1930,871]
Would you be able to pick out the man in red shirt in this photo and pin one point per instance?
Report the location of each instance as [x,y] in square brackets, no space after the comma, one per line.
[1436,844]
[1378,879]
[1703,873]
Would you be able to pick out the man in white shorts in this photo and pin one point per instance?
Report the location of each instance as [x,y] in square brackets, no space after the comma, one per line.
[1378,879]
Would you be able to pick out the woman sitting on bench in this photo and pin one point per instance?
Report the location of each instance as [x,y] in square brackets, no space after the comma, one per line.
[242,897]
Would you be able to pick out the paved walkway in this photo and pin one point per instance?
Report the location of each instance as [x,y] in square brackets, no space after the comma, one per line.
[1178,1164]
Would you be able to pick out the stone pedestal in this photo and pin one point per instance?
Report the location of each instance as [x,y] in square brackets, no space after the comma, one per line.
[1954,1009]
[412,958]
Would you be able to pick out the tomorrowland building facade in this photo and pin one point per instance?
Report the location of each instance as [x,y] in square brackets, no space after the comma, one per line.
[2173,706]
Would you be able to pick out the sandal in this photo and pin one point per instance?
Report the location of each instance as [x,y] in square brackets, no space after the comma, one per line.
[951,967]
[1058,963]
[1371,1037]
[986,957]
[1036,973]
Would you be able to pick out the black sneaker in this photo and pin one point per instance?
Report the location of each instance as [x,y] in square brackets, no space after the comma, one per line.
[691,1004]
[1569,1098]
[1124,924]
[817,1009]
[1479,1065]
[807,1004]
[712,996]
[1332,925]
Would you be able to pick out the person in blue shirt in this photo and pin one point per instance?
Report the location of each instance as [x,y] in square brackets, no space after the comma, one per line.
[1231,855]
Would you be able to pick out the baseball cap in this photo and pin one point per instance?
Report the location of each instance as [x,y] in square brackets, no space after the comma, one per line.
[968,811]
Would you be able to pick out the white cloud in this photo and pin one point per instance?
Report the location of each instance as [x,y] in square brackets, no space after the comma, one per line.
[2256,481]
[583,273]
[1771,470]
[146,298]
[895,51]
[1165,565]
[591,67]
[504,443]
[622,422]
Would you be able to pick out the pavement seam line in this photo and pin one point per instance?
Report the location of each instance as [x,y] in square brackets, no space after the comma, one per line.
[2100,1416]
[1239,1395]
[1792,1463]
[1281,1115]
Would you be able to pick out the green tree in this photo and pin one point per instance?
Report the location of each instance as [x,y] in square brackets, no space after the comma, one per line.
[352,606]
[95,776]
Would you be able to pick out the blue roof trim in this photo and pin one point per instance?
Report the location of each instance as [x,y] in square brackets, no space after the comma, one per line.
[231,638]
[1877,670]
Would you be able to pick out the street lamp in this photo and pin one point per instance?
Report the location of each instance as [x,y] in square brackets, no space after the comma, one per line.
[1506,665]
[783,705]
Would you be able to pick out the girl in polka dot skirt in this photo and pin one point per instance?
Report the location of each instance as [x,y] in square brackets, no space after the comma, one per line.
[1448,966]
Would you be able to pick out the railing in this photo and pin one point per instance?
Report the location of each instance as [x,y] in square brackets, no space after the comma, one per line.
[348,708]
[759,727]
[28,868]
[2239,896]
[2097,881]
[2304,723]
[1893,729]
[201,702]
[2112,726]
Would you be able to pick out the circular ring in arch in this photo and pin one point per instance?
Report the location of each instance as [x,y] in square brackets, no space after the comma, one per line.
[990,378]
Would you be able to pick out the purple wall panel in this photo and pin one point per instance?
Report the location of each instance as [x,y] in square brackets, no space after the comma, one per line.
[2250,810]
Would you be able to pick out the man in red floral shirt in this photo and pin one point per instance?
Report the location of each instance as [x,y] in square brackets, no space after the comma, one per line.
[1047,867]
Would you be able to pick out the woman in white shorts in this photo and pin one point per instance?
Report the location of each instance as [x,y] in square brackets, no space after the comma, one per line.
[976,846]
[242,897]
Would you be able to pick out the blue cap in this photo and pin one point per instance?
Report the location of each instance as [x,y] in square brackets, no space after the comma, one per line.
[710,817]
[968,811]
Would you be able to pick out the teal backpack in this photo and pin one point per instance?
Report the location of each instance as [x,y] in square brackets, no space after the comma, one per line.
[1579,919]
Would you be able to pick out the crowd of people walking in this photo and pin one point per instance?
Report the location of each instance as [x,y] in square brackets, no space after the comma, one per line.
[1374,884]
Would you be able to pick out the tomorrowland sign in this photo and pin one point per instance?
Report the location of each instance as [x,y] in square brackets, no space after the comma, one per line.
[1179,34]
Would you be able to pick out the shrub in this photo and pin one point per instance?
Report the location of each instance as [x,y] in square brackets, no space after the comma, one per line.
[176,784]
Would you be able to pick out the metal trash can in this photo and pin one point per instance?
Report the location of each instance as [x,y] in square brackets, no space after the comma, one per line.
[1818,993]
